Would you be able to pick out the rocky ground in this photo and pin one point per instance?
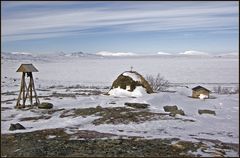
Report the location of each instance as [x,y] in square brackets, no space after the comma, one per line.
[56,142]
[86,143]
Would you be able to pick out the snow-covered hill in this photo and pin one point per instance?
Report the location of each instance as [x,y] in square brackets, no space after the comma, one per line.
[163,53]
[193,52]
[117,54]
[229,55]
[80,54]
[18,56]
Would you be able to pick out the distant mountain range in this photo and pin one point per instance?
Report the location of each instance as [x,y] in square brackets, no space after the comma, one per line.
[31,56]
[20,56]
[193,52]
[79,54]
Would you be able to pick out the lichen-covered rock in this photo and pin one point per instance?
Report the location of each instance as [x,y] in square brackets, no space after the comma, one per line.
[205,111]
[137,105]
[16,126]
[180,112]
[170,108]
[173,110]
[45,105]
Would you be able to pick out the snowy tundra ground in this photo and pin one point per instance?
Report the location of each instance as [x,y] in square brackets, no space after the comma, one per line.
[72,83]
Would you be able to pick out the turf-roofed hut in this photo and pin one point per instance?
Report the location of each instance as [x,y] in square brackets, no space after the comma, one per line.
[129,80]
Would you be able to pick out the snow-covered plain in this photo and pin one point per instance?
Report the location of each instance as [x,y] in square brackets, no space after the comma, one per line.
[62,72]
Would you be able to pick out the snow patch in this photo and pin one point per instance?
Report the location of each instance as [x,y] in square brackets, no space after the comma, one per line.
[133,75]
[184,91]
[51,136]
[139,91]
[202,96]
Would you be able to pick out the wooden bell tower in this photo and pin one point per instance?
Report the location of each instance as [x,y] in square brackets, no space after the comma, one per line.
[27,91]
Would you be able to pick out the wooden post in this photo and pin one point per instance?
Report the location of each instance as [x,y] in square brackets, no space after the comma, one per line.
[36,97]
[23,90]
[27,93]
[30,84]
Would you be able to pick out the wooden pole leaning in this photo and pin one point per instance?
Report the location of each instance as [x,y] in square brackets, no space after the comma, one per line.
[32,88]
[18,105]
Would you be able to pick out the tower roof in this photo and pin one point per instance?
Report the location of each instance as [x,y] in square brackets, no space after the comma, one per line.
[200,87]
[27,68]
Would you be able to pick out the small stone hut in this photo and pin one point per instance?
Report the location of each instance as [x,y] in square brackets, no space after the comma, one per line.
[129,80]
[196,91]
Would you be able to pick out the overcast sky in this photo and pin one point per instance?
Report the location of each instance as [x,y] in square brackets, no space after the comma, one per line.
[138,27]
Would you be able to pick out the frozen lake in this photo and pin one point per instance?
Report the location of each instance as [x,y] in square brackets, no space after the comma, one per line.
[102,71]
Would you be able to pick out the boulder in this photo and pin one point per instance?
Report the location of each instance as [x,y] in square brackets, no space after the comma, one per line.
[173,110]
[137,105]
[16,126]
[170,108]
[205,111]
[98,107]
[180,112]
[45,105]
